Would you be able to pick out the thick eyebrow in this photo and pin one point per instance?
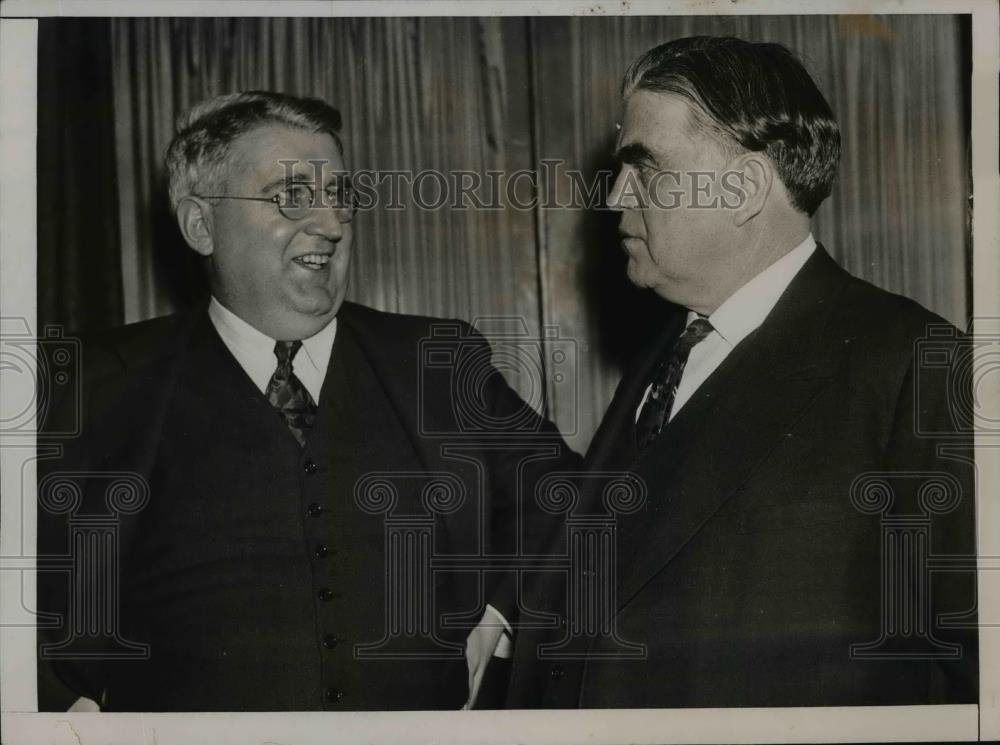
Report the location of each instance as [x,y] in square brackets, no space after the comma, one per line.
[636,154]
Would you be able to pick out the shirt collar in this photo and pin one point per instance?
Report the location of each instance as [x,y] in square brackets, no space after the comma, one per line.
[254,350]
[319,346]
[745,310]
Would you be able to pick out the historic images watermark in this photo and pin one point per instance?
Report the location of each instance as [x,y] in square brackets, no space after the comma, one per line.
[463,361]
[553,185]
[966,365]
[455,358]
[51,363]
[588,565]
[90,566]
[908,628]
[908,503]
[84,571]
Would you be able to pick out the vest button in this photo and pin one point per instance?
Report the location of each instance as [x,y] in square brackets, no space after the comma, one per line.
[322,550]
[315,509]
[325,594]
[557,672]
[333,695]
[310,466]
[330,641]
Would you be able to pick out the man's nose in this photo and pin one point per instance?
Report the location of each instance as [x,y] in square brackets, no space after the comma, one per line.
[617,199]
[325,222]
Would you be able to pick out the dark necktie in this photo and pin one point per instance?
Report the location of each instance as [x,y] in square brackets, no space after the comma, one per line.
[287,394]
[656,411]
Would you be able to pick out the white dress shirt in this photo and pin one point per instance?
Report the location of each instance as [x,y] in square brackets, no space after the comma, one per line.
[254,351]
[742,313]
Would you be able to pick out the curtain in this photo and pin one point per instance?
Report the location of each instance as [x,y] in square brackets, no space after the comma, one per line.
[79,251]
[504,94]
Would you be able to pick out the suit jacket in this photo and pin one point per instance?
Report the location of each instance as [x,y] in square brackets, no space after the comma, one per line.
[777,500]
[129,377]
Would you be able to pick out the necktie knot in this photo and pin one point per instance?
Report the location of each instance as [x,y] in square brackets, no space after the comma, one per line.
[697,330]
[655,412]
[285,351]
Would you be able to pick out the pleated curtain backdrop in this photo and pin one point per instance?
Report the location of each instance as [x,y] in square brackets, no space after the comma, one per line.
[492,94]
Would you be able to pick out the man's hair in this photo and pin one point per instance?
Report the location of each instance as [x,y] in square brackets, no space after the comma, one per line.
[199,157]
[755,97]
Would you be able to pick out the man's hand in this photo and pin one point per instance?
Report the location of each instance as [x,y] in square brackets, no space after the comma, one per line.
[84,704]
[479,648]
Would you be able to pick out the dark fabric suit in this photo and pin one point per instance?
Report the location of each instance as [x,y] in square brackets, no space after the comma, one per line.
[253,573]
[749,573]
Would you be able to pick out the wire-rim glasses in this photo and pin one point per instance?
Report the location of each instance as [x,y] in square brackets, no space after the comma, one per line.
[296,201]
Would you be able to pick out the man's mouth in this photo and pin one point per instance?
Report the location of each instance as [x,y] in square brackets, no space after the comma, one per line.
[315,262]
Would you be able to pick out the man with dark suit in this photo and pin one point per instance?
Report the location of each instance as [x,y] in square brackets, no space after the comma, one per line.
[273,464]
[778,424]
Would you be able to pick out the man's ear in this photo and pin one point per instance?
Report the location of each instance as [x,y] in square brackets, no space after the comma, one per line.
[756,176]
[194,217]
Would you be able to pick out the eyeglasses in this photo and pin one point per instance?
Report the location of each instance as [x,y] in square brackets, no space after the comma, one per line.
[295,201]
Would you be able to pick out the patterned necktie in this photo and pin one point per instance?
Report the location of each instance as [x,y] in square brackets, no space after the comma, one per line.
[656,411]
[286,393]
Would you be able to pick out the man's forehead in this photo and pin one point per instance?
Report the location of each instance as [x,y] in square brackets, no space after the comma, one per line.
[654,122]
[648,112]
[277,150]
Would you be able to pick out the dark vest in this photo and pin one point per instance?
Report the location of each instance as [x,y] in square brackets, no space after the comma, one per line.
[253,574]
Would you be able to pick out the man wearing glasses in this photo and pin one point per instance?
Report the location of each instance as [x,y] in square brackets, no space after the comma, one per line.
[259,574]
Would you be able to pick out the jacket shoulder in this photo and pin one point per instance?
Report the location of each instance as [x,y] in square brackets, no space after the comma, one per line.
[885,321]
[131,346]
[148,334]
[381,325]
[103,364]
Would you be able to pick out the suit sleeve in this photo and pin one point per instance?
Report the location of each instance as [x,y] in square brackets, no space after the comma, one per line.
[930,458]
[63,678]
[529,451]
[59,685]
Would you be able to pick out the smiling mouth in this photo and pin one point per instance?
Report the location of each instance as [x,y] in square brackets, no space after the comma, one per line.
[314,262]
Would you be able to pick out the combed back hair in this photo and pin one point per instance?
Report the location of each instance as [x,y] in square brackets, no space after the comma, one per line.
[751,97]
[199,157]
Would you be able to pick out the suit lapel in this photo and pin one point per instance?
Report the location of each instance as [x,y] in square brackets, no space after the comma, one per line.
[392,359]
[734,420]
[392,347]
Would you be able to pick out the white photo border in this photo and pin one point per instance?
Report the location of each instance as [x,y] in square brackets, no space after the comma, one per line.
[19,719]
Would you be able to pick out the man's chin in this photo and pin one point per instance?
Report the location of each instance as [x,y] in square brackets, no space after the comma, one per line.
[636,276]
[318,302]
[306,315]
